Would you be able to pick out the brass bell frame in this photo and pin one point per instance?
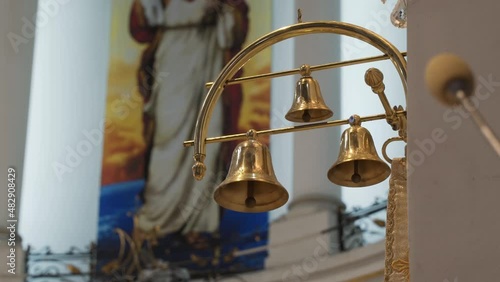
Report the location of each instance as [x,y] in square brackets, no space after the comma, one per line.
[395,117]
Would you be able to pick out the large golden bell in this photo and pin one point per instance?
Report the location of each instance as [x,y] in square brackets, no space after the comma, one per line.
[308,104]
[358,164]
[251,185]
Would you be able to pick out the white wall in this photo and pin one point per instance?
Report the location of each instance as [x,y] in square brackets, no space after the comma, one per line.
[455,186]
[68,92]
[16,54]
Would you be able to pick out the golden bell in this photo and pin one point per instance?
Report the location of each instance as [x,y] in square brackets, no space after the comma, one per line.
[358,164]
[308,104]
[251,185]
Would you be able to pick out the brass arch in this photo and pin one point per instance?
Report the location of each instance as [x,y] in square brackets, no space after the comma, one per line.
[240,59]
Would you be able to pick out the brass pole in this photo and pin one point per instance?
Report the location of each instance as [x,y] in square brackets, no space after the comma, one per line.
[238,136]
[240,80]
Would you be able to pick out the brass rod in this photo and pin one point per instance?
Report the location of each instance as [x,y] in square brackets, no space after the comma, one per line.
[238,136]
[297,70]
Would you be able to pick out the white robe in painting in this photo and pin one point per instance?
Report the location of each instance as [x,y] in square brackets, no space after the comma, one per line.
[188,56]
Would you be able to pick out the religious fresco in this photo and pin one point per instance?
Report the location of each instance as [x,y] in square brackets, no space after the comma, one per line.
[152,211]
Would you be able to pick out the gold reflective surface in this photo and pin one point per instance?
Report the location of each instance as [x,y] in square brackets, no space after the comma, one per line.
[358,164]
[397,245]
[308,104]
[251,185]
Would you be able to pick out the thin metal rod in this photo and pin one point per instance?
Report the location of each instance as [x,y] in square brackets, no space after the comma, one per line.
[313,68]
[238,136]
[480,121]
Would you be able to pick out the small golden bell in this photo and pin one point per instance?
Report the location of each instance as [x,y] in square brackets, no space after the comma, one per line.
[251,185]
[308,104]
[358,164]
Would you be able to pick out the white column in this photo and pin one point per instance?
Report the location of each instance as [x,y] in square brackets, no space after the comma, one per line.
[315,151]
[358,97]
[302,159]
[64,145]
[281,146]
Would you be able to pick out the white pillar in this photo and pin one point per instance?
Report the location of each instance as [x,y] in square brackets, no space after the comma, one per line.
[16,53]
[63,150]
[358,97]
[315,151]
[302,159]
[281,146]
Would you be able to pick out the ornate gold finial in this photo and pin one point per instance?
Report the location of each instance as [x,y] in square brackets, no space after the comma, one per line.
[199,168]
[299,16]
[375,79]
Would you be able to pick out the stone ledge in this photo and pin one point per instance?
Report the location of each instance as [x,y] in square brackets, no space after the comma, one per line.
[359,264]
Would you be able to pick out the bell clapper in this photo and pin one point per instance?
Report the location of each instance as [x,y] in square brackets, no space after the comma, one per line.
[250,202]
[356,178]
[306,116]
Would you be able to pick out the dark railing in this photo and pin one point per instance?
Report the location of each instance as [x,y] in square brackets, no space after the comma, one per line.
[80,265]
[356,225]
[74,265]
